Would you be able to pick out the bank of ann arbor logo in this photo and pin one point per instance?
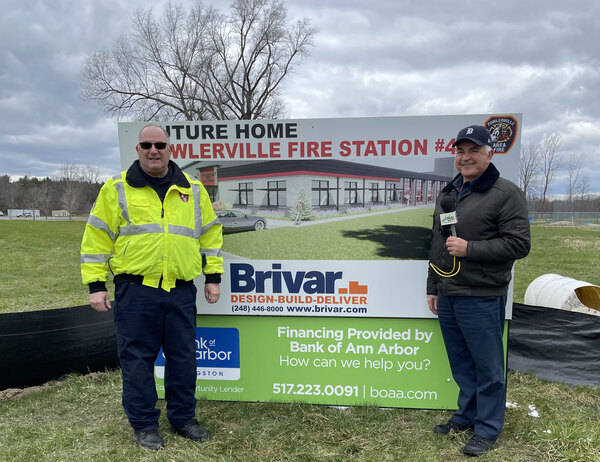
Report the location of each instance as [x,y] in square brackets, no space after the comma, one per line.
[217,354]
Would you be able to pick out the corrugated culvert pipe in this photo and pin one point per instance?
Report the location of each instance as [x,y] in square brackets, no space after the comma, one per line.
[556,291]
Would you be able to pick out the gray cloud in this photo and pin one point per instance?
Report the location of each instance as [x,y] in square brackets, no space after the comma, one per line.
[440,57]
[379,58]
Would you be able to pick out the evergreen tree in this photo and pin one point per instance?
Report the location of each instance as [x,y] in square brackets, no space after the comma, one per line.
[307,209]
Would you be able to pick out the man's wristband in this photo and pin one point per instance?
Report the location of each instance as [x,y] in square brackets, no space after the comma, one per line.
[97,286]
[212,278]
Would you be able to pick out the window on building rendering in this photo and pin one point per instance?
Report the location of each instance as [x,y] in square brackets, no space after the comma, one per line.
[245,194]
[430,191]
[276,193]
[392,192]
[407,191]
[374,188]
[351,192]
[320,193]
[419,188]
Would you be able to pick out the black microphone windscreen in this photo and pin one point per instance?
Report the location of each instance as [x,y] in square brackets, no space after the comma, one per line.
[448,205]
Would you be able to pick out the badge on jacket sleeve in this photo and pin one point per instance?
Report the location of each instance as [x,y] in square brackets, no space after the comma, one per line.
[184,197]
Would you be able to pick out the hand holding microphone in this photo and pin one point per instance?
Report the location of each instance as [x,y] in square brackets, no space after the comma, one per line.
[456,246]
[448,218]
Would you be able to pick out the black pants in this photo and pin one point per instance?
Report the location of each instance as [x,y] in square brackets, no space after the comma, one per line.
[146,319]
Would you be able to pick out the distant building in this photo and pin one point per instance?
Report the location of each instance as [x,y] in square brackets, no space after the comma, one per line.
[60,213]
[331,184]
[23,213]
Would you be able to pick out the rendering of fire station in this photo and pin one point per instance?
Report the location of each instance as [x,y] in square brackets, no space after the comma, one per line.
[330,184]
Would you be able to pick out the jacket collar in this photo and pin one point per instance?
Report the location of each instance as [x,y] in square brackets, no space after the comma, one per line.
[483,183]
[135,178]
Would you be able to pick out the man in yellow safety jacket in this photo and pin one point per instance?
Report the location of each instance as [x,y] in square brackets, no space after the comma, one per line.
[154,227]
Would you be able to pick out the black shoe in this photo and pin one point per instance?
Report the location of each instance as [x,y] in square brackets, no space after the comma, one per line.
[149,440]
[478,445]
[193,431]
[451,427]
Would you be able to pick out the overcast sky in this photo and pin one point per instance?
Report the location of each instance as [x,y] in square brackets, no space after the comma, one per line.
[375,58]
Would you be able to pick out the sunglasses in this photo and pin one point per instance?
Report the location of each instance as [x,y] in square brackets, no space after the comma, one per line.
[147,145]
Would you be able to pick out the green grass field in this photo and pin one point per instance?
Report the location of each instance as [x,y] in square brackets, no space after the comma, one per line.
[80,418]
[568,251]
[403,234]
[40,267]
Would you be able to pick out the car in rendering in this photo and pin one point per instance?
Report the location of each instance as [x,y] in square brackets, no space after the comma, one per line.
[234,221]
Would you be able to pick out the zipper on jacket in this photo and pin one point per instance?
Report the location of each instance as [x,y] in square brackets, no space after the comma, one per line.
[163,274]
[165,226]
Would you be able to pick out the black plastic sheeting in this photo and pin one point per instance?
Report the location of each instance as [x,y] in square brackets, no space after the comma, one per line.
[555,345]
[39,346]
[35,347]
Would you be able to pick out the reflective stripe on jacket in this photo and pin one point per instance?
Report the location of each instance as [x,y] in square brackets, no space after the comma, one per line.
[131,231]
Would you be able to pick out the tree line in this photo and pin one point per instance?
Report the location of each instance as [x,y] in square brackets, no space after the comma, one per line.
[73,188]
[540,166]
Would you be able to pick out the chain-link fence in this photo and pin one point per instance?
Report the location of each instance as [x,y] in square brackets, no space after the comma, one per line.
[571,217]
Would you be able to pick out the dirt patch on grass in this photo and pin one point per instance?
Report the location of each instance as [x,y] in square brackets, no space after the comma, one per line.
[560,223]
[15,393]
[571,224]
[10,394]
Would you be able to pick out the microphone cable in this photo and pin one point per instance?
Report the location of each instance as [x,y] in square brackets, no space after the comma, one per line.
[447,274]
[448,205]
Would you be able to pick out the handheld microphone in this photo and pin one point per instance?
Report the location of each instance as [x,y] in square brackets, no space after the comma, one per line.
[448,218]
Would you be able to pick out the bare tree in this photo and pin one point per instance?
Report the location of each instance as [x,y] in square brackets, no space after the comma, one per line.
[68,172]
[583,186]
[45,197]
[90,174]
[73,180]
[573,165]
[550,162]
[200,65]
[29,197]
[71,196]
[255,51]
[529,168]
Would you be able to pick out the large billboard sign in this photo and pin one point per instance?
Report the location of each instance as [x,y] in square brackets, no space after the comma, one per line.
[327,226]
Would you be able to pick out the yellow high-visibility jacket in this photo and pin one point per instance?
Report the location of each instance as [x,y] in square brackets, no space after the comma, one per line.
[130,231]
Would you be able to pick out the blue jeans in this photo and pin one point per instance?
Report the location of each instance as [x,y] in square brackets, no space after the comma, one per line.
[146,319]
[472,328]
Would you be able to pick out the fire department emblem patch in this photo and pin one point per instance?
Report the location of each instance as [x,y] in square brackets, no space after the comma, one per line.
[184,197]
[503,130]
